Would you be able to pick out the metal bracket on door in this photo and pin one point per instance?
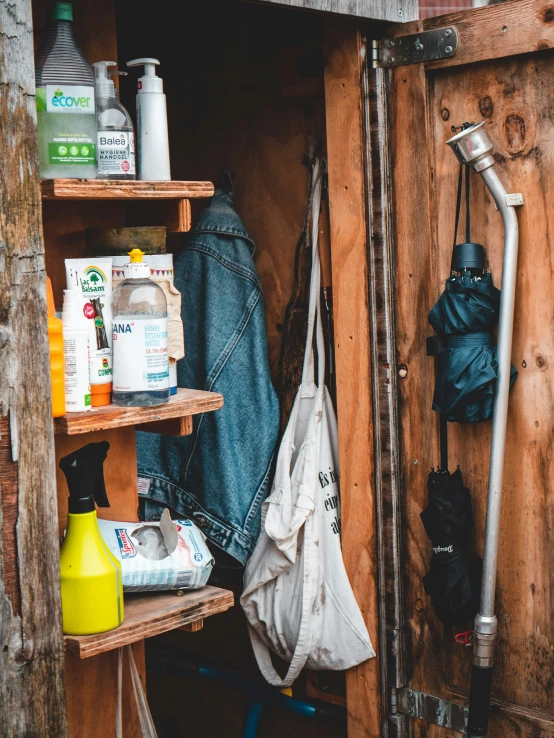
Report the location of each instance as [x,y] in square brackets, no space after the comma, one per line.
[440,43]
[431,709]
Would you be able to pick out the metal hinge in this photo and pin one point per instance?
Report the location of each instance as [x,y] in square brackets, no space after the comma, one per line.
[440,43]
[406,701]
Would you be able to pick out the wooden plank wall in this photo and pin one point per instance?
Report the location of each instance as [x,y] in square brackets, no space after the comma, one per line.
[345,144]
[31,648]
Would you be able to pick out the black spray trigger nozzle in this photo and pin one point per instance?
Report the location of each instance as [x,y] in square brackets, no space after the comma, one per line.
[84,472]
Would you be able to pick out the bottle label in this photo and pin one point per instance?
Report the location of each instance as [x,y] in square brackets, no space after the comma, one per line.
[116,152]
[66,99]
[69,142]
[77,378]
[140,359]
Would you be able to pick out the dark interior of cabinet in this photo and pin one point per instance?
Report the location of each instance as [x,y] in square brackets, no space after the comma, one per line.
[244,86]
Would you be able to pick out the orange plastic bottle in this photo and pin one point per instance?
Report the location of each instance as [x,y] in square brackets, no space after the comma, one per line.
[55,340]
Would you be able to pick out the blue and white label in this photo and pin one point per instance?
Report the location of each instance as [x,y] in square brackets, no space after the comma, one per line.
[140,358]
[127,548]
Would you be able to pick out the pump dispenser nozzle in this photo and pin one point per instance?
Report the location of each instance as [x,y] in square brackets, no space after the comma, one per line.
[84,472]
[149,82]
[104,85]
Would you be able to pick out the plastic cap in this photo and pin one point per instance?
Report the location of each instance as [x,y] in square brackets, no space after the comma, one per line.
[101,395]
[62,11]
[72,313]
[149,82]
[137,268]
[136,256]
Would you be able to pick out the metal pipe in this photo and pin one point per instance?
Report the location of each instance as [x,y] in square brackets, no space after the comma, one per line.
[473,146]
[500,413]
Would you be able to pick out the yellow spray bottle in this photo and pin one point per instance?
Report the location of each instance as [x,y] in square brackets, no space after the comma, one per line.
[91,582]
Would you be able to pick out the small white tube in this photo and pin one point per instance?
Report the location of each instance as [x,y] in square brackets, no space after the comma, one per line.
[76,354]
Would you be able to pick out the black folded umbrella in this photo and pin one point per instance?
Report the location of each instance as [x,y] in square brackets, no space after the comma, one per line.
[454,579]
[464,318]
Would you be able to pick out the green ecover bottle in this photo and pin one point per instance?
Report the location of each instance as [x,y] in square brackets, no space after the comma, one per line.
[66,108]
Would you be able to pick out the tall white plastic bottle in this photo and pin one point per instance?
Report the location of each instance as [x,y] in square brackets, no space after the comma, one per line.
[152,136]
[76,354]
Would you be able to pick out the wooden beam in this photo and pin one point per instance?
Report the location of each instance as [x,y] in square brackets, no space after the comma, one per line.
[393,11]
[32,697]
[493,32]
[345,146]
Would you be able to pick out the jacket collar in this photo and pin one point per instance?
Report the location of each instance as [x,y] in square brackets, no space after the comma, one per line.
[220,217]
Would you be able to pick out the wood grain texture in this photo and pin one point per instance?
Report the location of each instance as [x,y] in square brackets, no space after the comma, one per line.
[350,278]
[31,648]
[394,11]
[193,627]
[514,99]
[171,427]
[499,30]
[148,615]
[113,189]
[185,402]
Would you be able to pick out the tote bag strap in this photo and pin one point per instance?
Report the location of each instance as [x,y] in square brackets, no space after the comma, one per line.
[314,311]
[309,578]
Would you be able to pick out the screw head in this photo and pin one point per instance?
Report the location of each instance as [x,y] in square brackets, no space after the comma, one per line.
[391,60]
[448,32]
[448,49]
[389,43]
[418,46]
[400,13]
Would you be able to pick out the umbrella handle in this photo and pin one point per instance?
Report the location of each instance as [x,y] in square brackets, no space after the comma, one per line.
[479,702]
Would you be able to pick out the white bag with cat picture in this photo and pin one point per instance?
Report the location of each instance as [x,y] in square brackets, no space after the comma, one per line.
[297,597]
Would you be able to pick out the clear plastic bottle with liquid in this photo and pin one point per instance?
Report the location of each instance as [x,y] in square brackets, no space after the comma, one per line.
[66,109]
[140,353]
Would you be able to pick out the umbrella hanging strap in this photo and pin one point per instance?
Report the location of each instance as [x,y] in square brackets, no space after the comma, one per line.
[459,207]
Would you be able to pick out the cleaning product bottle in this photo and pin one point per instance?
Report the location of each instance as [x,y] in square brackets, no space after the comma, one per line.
[55,341]
[93,279]
[152,139]
[77,354]
[65,102]
[140,355]
[91,582]
[116,136]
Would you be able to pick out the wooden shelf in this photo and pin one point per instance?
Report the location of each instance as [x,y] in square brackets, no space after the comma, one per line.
[185,403]
[148,615]
[114,189]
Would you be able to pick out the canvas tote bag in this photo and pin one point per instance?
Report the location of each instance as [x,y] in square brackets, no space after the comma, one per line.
[297,597]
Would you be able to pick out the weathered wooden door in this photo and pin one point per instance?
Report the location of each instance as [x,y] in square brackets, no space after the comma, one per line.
[502,73]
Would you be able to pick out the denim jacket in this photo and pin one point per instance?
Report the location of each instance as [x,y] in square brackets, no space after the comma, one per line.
[219,476]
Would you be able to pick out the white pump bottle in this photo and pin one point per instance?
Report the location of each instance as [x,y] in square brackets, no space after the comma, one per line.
[152,136]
